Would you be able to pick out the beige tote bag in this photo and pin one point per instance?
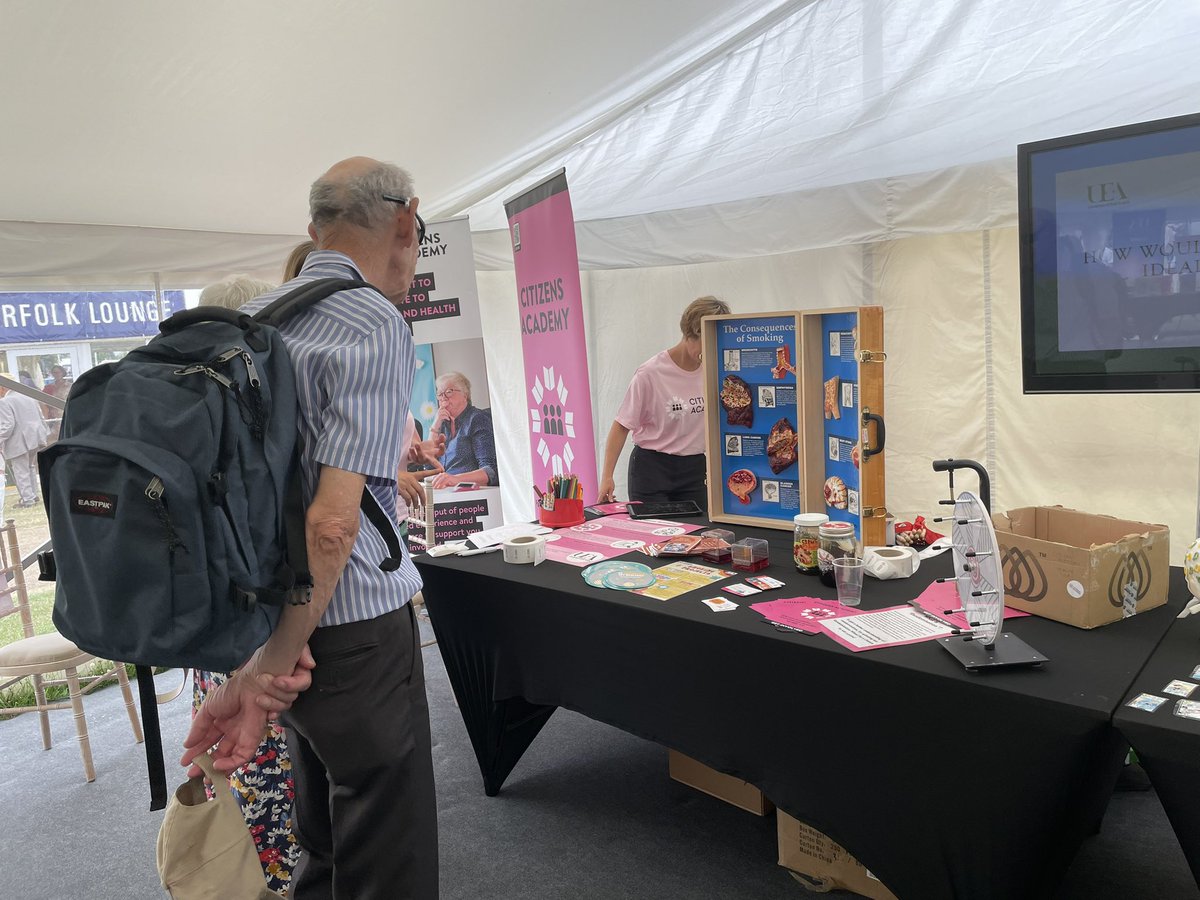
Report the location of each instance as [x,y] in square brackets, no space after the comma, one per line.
[205,851]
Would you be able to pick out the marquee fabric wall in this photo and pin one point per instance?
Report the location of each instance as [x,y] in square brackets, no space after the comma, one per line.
[937,251]
[953,384]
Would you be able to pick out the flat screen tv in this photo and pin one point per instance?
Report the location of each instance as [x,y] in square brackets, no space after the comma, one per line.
[1110,259]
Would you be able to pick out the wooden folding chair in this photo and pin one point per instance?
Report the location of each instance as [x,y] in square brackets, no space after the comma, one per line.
[48,659]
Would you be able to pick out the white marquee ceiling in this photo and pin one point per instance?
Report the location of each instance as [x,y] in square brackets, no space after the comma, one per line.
[198,128]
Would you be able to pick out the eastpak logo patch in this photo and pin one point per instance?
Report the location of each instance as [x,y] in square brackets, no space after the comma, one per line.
[94,503]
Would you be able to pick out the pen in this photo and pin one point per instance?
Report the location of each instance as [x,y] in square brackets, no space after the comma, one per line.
[779,626]
[480,550]
[931,616]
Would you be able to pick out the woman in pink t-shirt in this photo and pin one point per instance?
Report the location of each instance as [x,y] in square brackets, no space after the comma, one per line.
[664,410]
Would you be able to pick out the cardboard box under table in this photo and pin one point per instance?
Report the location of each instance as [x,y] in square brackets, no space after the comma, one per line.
[732,790]
[823,864]
[1081,569]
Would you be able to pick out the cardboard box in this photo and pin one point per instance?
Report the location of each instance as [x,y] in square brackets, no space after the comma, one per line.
[1081,569]
[695,774]
[821,864]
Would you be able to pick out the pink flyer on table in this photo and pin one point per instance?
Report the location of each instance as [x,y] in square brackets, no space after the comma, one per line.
[937,598]
[591,542]
[799,612]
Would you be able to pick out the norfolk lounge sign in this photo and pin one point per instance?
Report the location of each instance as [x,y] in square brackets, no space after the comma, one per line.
[81,316]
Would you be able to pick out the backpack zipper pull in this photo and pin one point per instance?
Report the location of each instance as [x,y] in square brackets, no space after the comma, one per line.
[251,369]
[218,377]
[207,370]
[154,492]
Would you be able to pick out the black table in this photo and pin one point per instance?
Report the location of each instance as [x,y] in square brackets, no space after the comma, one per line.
[943,783]
[1167,745]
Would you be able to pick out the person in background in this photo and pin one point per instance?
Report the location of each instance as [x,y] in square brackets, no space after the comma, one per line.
[462,434]
[59,387]
[295,260]
[409,484]
[664,410]
[423,455]
[345,668]
[26,379]
[234,291]
[263,787]
[23,432]
[60,384]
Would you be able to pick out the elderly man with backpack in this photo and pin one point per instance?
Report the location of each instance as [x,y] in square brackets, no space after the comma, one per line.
[345,668]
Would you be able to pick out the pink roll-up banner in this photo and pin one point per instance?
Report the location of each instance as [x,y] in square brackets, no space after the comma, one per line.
[558,392]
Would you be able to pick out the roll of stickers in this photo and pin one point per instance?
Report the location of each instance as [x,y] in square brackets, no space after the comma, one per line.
[525,549]
[886,563]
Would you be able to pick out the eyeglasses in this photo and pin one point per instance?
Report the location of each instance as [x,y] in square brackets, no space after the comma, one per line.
[446,392]
[405,201]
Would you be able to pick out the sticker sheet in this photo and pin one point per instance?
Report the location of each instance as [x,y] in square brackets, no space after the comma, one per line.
[1146,702]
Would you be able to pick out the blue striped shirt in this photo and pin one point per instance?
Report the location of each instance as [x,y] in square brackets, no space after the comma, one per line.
[354,361]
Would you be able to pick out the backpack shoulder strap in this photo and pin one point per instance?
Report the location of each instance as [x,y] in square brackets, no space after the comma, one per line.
[295,579]
[386,528]
[301,298]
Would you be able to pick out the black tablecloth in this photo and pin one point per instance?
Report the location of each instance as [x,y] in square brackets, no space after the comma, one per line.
[943,783]
[1167,745]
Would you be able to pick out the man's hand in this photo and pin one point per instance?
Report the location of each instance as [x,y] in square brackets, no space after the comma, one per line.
[231,719]
[428,451]
[410,488]
[281,691]
[235,716]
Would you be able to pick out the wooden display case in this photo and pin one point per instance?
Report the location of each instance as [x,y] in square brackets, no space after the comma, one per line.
[842,360]
[767,374]
[753,358]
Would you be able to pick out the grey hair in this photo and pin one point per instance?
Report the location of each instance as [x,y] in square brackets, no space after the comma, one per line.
[458,379]
[234,291]
[358,200]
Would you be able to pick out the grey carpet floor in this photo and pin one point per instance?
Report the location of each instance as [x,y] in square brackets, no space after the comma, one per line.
[588,813]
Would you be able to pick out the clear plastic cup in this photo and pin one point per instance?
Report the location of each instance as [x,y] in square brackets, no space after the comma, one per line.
[848,576]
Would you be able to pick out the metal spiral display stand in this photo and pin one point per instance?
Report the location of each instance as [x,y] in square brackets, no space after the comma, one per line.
[980,581]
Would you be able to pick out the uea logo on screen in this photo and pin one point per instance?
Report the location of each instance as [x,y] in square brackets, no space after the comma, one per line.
[1106,193]
[550,418]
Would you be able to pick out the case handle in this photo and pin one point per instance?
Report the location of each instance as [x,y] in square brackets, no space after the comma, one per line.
[868,418]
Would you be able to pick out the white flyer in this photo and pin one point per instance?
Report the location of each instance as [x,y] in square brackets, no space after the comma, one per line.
[883,628]
[502,533]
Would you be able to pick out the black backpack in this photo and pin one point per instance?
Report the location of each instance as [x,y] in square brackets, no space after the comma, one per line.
[174,498]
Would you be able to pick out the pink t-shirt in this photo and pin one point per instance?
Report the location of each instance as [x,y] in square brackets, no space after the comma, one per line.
[664,407]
